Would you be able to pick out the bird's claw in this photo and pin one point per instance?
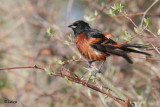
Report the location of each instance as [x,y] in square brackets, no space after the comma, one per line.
[88,64]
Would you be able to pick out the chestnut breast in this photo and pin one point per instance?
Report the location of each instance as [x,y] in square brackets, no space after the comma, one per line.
[84,46]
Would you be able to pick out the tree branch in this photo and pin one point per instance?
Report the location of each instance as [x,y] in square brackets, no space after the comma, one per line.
[71,76]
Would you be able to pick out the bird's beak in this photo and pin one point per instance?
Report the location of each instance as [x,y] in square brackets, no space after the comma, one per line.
[72,26]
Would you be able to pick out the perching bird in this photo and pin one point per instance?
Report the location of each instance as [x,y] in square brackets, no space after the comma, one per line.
[97,46]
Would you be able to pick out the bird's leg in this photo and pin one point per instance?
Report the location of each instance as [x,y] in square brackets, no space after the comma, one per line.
[83,75]
[89,63]
[99,69]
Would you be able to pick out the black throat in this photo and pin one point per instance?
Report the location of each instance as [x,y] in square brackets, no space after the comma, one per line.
[81,29]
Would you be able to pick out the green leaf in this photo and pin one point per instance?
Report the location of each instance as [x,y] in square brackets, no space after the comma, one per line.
[89,18]
[115,9]
[88,77]
[147,21]
[136,30]
[60,62]
[50,31]
[66,78]
[48,70]
[111,12]
[73,58]
[127,36]
[66,43]
[119,7]
[106,95]
[69,82]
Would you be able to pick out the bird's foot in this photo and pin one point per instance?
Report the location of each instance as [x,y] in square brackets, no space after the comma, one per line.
[88,64]
[95,72]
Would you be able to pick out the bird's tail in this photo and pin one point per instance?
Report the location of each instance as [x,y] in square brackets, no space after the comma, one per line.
[128,48]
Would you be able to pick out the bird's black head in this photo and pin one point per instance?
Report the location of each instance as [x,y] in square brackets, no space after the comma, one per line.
[79,26]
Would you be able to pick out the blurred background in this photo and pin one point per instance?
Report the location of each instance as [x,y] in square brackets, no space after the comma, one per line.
[24,41]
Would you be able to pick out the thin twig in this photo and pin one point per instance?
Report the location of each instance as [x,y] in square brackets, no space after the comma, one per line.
[23,67]
[153,34]
[147,11]
[142,34]
[102,9]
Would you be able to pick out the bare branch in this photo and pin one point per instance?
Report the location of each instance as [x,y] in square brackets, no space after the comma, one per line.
[147,11]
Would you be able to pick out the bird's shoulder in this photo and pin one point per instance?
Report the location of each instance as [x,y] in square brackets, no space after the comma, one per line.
[94,33]
[96,36]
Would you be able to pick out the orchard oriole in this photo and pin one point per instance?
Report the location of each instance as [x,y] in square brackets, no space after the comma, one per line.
[97,46]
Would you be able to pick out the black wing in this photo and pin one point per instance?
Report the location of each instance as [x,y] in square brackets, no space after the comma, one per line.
[109,49]
[94,33]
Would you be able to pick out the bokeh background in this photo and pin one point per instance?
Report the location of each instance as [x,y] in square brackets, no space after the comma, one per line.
[24,41]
